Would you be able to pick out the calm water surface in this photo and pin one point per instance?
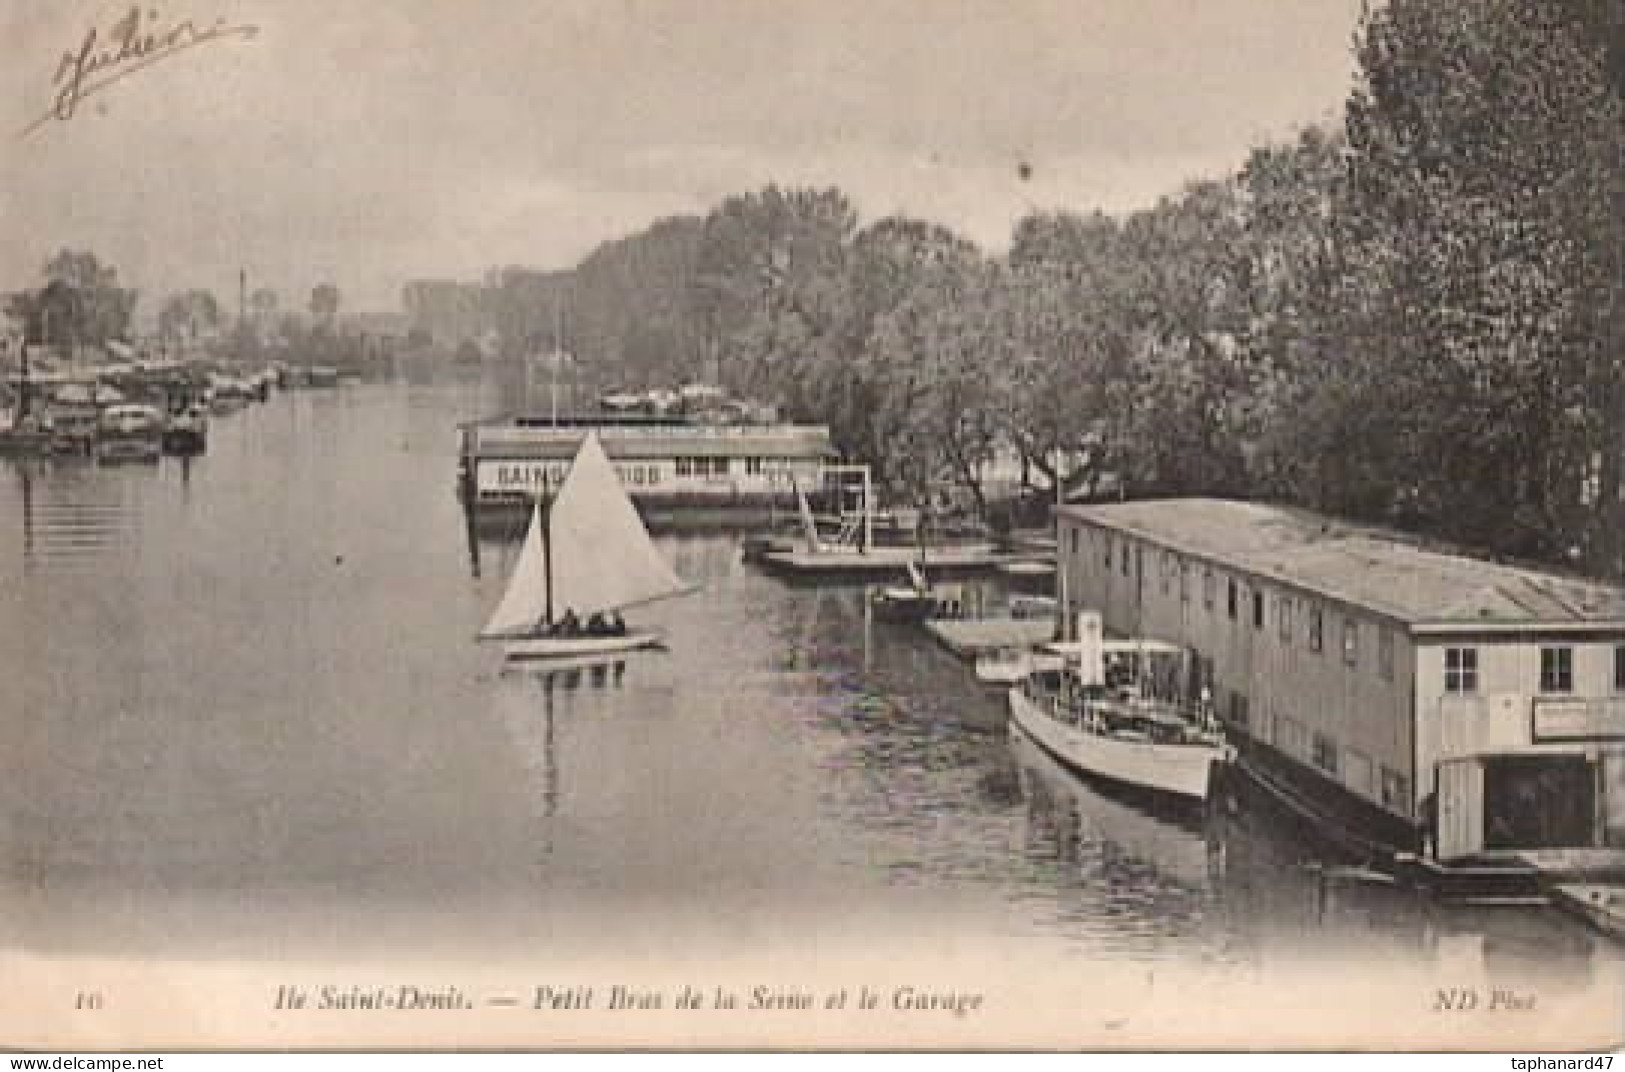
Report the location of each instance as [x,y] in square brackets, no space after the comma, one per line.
[244,715]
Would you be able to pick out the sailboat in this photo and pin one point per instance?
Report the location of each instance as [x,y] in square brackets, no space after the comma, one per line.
[586,553]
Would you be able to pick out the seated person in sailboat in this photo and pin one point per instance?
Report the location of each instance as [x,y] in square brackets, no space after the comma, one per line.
[596,625]
[617,624]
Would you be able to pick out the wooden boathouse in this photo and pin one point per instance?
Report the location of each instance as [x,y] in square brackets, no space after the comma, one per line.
[1427,700]
[674,468]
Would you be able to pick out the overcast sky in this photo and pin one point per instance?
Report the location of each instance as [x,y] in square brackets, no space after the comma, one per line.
[369,143]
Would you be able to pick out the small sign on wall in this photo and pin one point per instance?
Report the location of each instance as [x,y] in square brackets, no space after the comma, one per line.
[1579,719]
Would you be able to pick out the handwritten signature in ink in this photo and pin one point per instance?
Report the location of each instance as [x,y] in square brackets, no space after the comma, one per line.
[136,41]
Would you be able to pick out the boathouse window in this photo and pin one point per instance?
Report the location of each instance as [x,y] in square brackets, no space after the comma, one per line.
[1258,610]
[1461,669]
[1207,589]
[1283,613]
[1557,669]
[1185,585]
[1108,542]
[1351,641]
[1316,633]
[1167,572]
[1396,791]
[1325,753]
[1619,668]
[1230,597]
[753,467]
[1075,541]
[1125,557]
[1385,653]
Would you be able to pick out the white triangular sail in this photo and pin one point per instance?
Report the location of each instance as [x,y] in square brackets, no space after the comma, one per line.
[602,556]
[525,601]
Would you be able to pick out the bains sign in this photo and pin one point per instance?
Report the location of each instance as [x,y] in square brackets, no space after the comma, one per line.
[534,477]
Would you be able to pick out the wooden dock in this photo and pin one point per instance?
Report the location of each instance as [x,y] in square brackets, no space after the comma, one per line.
[884,563]
[971,638]
[1472,881]
[1582,865]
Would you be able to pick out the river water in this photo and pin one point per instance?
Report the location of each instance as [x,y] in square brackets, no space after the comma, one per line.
[244,716]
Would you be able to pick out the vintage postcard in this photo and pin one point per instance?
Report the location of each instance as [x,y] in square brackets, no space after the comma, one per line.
[812,524]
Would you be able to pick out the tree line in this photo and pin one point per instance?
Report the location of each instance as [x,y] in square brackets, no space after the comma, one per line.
[1412,317]
[82,305]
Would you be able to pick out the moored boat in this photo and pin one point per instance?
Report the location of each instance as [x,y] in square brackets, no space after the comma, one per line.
[896,603]
[186,431]
[228,394]
[912,603]
[129,433]
[1127,731]
[1032,606]
[1004,667]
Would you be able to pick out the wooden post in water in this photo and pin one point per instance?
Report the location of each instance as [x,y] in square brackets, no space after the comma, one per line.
[868,511]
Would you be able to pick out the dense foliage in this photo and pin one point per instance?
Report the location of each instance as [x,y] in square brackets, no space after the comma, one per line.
[1414,319]
[80,303]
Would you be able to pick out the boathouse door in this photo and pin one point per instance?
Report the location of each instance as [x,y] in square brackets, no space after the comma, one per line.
[1539,802]
[1460,805]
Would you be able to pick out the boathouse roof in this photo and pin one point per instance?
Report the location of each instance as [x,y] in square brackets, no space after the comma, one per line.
[1377,569]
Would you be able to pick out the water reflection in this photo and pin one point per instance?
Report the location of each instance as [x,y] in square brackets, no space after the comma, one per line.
[1073,821]
[253,679]
[70,508]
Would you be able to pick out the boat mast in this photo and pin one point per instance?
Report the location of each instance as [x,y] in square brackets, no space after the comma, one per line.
[546,507]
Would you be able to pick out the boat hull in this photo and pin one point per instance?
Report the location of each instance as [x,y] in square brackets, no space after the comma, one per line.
[183,441]
[907,608]
[999,675]
[111,452]
[1182,771]
[576,647]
